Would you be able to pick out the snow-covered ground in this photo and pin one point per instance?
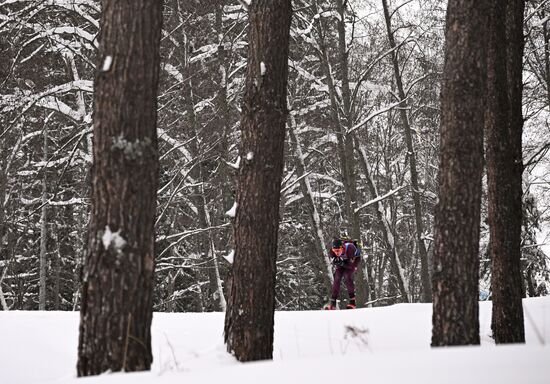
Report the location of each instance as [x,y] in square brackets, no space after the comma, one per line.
[379,345]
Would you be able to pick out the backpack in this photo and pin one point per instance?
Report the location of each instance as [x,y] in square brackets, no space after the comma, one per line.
[354,242]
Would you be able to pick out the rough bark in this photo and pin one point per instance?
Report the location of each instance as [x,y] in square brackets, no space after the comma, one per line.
[250,314]
[116,310]
[457,216]
[504,124]
[424,267]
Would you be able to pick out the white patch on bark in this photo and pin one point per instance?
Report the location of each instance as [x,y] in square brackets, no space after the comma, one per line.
[262,68]
[110,238]
[107,62]
[131,149]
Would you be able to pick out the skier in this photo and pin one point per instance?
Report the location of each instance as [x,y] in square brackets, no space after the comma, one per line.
[345,257]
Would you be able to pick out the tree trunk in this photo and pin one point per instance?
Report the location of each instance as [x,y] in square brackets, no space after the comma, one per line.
[44,226]
[349,169]
[3,225]
[504,126]
[116,310]
[349,163]
[57,282]
[424,268]
[546,37]
[321,261]
[218,294]
[387,233]
[3,188]
[223,116]
[341,125]
[2,296]
[204,248]
[250,313]
[457,216]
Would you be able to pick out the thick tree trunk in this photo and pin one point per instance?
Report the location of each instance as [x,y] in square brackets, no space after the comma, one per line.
[424,268]
[504,126]
[250,313]
[116,310]
[457,217]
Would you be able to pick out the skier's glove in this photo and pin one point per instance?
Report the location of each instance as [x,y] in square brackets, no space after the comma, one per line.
[338,261]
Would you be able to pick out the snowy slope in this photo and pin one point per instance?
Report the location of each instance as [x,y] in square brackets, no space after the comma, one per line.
[378,345]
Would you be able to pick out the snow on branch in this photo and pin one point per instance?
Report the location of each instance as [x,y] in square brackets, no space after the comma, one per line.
[373,115]
[175,143]
[54,104]
[183,235]
[38,200]
[245,4]
[13,102]
[380,198]
[416,81]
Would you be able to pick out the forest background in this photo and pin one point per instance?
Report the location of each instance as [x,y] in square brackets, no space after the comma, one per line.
[355,101]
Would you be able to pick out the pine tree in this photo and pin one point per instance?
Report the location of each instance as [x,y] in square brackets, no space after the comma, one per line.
[116,309]
[250,313]
[457,219]
[505,167]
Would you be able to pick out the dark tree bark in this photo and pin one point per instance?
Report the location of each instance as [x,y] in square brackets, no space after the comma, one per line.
[116,311]
[424,268]
[250,313]
[457,216]
[504,125]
